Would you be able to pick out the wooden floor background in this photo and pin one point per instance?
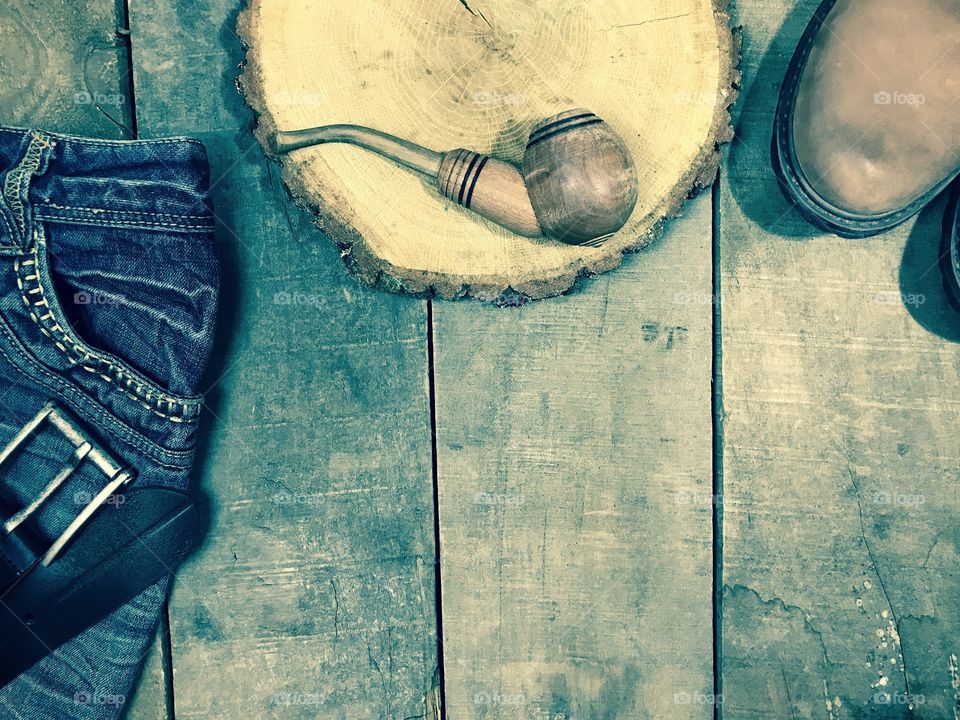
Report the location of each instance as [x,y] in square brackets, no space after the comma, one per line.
[722,479]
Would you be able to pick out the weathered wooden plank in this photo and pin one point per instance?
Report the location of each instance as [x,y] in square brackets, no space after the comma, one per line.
[574,460]
[64,68]
[840,461]
[67,71]
[313,594]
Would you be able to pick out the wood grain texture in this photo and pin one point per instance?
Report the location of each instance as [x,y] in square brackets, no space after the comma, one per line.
[313,593]
[842,400]
[574,459]
[480,76]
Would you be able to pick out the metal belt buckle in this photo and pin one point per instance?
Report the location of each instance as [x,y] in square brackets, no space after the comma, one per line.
[85,449]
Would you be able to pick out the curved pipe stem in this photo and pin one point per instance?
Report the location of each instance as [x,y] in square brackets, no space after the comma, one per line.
[406,153]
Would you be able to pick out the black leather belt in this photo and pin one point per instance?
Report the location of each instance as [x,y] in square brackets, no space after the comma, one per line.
[52,589]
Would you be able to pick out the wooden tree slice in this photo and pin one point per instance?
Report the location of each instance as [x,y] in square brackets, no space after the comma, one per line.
[480,74]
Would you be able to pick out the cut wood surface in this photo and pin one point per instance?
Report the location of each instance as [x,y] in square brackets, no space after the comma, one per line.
[840,471]
[480,75]
[312,595]
[574,467]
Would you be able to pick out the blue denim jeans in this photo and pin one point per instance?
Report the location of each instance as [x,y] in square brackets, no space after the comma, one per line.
[108,293]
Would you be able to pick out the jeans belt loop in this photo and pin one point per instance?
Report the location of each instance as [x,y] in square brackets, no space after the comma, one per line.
[16,218]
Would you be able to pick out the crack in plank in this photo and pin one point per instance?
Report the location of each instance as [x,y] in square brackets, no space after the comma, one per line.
[876,570]
[88,86]
[786,687]
[936,541]
[383,681]
[777,601]
[336,610]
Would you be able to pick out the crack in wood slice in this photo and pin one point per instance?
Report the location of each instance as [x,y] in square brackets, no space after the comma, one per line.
[476,13]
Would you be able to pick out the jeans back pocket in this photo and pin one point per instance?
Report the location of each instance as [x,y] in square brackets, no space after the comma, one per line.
[135,307]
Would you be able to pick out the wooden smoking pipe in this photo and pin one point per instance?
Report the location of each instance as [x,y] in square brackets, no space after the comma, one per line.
[578,183]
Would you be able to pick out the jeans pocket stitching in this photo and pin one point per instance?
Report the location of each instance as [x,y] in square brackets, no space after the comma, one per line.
[173,408]
[15,354]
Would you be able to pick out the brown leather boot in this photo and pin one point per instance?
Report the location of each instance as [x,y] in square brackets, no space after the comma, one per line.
[867,129]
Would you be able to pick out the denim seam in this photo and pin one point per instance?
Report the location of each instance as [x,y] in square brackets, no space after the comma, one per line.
[101,222]
[17,178]
[125,212]
[166,406]
[61,387]
[106,141]
[10,233]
